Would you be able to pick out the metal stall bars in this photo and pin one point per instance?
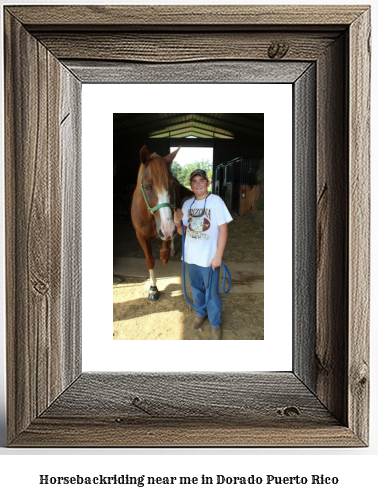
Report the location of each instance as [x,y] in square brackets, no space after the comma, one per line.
[236,183]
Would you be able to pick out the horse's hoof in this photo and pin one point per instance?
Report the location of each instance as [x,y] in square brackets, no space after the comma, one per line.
[153,293]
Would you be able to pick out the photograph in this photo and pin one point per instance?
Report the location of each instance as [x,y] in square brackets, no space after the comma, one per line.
[206,171]
[322,399]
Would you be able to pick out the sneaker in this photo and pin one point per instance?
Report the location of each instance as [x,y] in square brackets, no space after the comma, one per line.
[216,333]
[198,322]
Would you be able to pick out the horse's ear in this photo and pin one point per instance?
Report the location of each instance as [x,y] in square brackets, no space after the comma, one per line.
[145,156]
[169,159]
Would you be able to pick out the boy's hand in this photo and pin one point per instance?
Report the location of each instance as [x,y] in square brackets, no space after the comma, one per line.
[216,262]
[177,216]
[223,233]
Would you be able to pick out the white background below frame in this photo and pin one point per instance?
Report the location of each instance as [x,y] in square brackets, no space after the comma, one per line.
[100,351]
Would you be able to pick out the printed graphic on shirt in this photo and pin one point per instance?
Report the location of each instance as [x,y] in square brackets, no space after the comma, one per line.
[199,223]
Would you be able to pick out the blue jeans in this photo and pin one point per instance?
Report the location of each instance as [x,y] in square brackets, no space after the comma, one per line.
[199,278]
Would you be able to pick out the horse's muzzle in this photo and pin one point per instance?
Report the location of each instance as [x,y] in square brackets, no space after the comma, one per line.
[167,238]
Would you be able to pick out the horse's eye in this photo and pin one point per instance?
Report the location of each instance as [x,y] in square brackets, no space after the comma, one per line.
[146,186]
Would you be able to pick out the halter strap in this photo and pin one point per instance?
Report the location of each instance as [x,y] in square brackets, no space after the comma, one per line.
[161,205]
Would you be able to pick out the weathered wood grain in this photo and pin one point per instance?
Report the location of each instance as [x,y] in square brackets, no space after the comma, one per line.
[359,226]
[197,409]
[97,432]
[34,237]
[192,396]
[71,191]
[181,47]
[31,240]
[323,402]
[171,16]
[332,229]
[199,72]
[304,213]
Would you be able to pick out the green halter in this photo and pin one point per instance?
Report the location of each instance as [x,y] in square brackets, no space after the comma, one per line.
[152,210]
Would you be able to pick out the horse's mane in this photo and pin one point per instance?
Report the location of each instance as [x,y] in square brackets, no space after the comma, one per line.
[158,171]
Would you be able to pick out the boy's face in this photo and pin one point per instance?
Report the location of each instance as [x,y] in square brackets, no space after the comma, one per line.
[199,185]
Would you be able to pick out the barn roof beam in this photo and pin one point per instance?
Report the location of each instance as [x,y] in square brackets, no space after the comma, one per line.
[239,124]
[146,123]
[192,128]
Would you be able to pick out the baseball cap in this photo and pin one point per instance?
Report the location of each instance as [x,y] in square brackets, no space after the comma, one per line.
[200,172]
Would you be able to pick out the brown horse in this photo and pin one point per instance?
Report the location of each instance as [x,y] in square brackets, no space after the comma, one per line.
[155,197]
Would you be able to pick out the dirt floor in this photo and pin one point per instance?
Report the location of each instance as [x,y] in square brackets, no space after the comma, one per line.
[170,318]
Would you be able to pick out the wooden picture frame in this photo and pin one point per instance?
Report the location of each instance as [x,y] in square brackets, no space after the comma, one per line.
[49,52]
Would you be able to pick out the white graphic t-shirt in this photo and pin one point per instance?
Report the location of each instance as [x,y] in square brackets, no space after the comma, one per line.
[202,231]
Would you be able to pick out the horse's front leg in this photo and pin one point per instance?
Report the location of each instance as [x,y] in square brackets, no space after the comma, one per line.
[166,251]
[145,243]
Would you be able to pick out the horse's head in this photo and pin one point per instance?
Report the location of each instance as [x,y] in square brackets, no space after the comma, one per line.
[158,189]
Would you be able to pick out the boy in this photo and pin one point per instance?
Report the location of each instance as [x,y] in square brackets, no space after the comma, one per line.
[205,218]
